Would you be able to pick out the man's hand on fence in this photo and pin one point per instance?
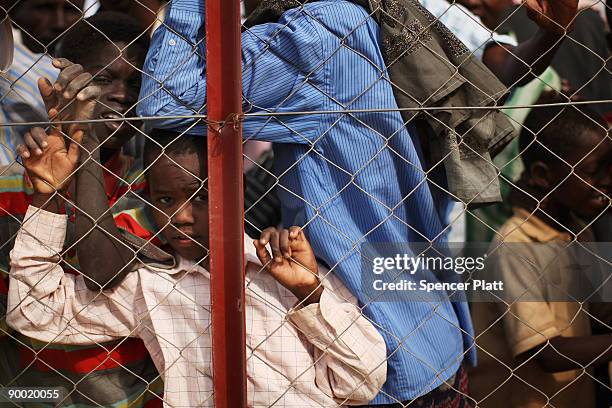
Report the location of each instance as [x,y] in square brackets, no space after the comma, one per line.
[71,97]
[292,262]
[554,16]
[51,158]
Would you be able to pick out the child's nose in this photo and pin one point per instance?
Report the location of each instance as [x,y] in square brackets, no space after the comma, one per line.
[119,92]
[184,215]
[60,18]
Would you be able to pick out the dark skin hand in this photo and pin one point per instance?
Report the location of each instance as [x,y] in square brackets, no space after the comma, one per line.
[51,159]
[585,351]
[292,262]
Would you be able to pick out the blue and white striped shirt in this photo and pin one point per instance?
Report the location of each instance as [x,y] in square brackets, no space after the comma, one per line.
[351,178]
[20,99]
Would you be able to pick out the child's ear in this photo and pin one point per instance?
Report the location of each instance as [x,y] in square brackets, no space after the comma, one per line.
[541,175]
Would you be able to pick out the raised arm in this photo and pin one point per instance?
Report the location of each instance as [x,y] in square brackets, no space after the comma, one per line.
[174,79]
[516,66]
[349,353]
[103,257]
[43,302]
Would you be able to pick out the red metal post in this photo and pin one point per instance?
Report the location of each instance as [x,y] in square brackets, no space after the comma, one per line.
[224,93]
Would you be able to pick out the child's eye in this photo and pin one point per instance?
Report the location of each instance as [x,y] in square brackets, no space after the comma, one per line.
[201,198]
[164,200]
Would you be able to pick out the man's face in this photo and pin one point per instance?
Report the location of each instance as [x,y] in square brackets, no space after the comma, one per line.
[490,11]
[118,76]
[43,21]
[180,202]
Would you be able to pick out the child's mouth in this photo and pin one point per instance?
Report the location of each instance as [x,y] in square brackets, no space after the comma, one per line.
[184,240]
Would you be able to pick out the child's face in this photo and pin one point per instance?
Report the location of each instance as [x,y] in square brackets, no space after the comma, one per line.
[180,202]
[119,81]
[586,192]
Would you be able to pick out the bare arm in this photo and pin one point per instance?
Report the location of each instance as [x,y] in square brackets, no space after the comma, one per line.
[103,257]
[518,66]
[101,253]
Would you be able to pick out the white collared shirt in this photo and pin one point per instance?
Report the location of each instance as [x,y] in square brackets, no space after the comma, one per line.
[324,354]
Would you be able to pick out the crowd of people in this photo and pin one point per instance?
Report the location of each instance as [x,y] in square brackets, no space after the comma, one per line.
[377,122]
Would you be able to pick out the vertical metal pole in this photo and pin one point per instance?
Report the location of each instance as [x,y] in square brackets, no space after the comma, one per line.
[224,95]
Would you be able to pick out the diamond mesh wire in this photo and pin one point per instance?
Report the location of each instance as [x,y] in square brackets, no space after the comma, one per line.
[141,335]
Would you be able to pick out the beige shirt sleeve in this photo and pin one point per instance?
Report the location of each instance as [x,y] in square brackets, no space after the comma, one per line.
[350,354]
[46,304]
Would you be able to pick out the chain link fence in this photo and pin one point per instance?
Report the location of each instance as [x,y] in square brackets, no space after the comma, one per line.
[387,131]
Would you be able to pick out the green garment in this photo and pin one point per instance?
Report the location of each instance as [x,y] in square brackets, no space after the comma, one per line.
[482,223]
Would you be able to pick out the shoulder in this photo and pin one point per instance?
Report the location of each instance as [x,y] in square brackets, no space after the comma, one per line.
[513,230]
